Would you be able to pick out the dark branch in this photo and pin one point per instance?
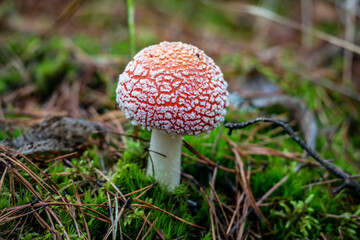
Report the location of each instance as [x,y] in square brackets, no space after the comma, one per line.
[348,181]
[37,209]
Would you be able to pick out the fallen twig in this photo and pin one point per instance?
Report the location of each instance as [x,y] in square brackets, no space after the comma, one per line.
[349,182]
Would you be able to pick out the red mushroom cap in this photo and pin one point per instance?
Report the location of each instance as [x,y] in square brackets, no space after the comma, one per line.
[174,87]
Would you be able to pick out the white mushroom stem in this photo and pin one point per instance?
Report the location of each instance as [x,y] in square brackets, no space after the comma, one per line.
[165,158]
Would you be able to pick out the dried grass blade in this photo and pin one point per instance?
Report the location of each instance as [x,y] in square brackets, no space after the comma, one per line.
[41,221]
[246,187]
[148,231]
[112,184]
[212,213]
[199,155]
[242,220]
[11,212]
[19,163]
[308,21]
[52,228]
[276,186]
[350,31]
[12,186]
[238,202]
[31,173]
[328,181]
[144,189]
[259,150]
[120,214]
[3,176]
[159,233]
[23,226]
[212,224]
[61,157]
[36,178]
[111,228]
[73,216]
[203,160]
[117,217]
[143,226]
[27,184]
[98,218]
[220,204]
[16,225]
[82,211]
[272,16]
[170,214]
[15,209]
[25,214]
[60,223]
[65,15]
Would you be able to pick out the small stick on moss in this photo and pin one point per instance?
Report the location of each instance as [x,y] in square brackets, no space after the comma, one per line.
[348,181]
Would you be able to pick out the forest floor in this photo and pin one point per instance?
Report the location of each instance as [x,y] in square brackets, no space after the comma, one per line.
[72,166]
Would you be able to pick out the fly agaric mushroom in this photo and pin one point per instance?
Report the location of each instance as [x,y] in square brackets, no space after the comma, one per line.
[173,89]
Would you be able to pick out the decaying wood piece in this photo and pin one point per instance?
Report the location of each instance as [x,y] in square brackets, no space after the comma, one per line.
[54,134]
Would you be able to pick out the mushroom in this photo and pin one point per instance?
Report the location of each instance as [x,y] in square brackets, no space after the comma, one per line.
[173,89]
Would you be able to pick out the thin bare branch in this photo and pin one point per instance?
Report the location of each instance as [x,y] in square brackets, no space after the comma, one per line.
[348,182]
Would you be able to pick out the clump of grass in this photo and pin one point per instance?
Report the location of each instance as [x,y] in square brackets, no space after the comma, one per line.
[79,196]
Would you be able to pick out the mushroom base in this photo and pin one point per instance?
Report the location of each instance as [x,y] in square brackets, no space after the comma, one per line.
[165,158]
